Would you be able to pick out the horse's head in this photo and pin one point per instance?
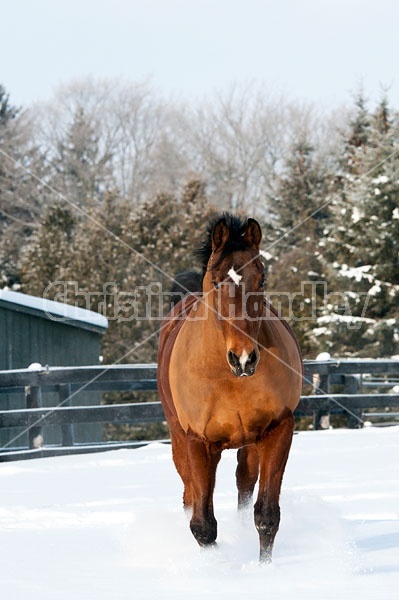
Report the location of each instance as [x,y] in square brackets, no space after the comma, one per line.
[232,285]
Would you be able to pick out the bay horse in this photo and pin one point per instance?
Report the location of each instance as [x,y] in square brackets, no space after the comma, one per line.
[230,376]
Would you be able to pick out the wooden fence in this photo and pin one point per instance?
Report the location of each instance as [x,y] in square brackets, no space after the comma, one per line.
[332,386]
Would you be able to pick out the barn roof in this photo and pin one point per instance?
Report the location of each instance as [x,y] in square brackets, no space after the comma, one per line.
[53,311]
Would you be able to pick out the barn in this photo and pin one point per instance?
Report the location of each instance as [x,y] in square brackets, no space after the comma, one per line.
[37,330]
[51,333]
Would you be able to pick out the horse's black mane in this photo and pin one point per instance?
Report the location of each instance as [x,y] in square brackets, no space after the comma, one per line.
[236,225]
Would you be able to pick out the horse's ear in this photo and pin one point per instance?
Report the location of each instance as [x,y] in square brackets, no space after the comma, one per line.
[220,234]
[253,234]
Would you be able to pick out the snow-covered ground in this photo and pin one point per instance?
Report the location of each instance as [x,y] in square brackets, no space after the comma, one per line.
[110,526]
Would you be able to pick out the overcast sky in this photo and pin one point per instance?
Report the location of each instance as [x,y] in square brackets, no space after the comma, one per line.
[311,49]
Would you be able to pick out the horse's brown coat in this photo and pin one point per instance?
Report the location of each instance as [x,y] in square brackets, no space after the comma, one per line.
[209,409]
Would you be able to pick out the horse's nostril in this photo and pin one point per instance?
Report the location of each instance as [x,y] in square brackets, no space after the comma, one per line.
[252,358]
[233,358]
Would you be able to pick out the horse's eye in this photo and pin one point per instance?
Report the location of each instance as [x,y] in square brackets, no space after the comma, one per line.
[215,284]
[262,283]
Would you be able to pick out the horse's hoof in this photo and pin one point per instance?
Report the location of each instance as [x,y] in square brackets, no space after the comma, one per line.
[204,533]
[206,542]
[265,558]
[213,546]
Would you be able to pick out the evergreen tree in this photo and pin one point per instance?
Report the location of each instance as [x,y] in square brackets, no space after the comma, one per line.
[21,194]
[368,204]
[8,112]
[49,252]
[363,245]
[359,125]
[297,276]
[82,166]
[299,199]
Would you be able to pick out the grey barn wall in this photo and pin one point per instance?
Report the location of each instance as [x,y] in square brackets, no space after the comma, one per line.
[28,336]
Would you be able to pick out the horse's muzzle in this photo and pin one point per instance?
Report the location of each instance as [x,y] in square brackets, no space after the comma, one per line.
[244,365]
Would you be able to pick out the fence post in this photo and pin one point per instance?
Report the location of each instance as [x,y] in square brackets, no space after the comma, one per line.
[351,386]
[321,385]
[67,433]
[33,395]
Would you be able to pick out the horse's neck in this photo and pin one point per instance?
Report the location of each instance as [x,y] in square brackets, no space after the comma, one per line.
[208,328]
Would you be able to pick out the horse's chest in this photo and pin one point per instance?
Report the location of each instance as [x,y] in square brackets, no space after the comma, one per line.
[235,429]
[230,420]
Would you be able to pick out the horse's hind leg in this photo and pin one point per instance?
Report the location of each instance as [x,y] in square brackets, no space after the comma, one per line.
[202,463]
[247,473]
[273,454]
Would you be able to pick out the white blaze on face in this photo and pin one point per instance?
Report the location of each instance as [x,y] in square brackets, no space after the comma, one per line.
[243,359]
[235,276]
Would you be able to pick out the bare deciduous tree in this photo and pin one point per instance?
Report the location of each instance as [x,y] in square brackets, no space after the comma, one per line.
[239,142]
[120,132]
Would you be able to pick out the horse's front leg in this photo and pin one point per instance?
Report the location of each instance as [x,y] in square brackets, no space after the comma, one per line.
[202,460]
[273,455]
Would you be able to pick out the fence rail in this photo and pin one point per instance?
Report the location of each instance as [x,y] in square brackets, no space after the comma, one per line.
[334,385]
